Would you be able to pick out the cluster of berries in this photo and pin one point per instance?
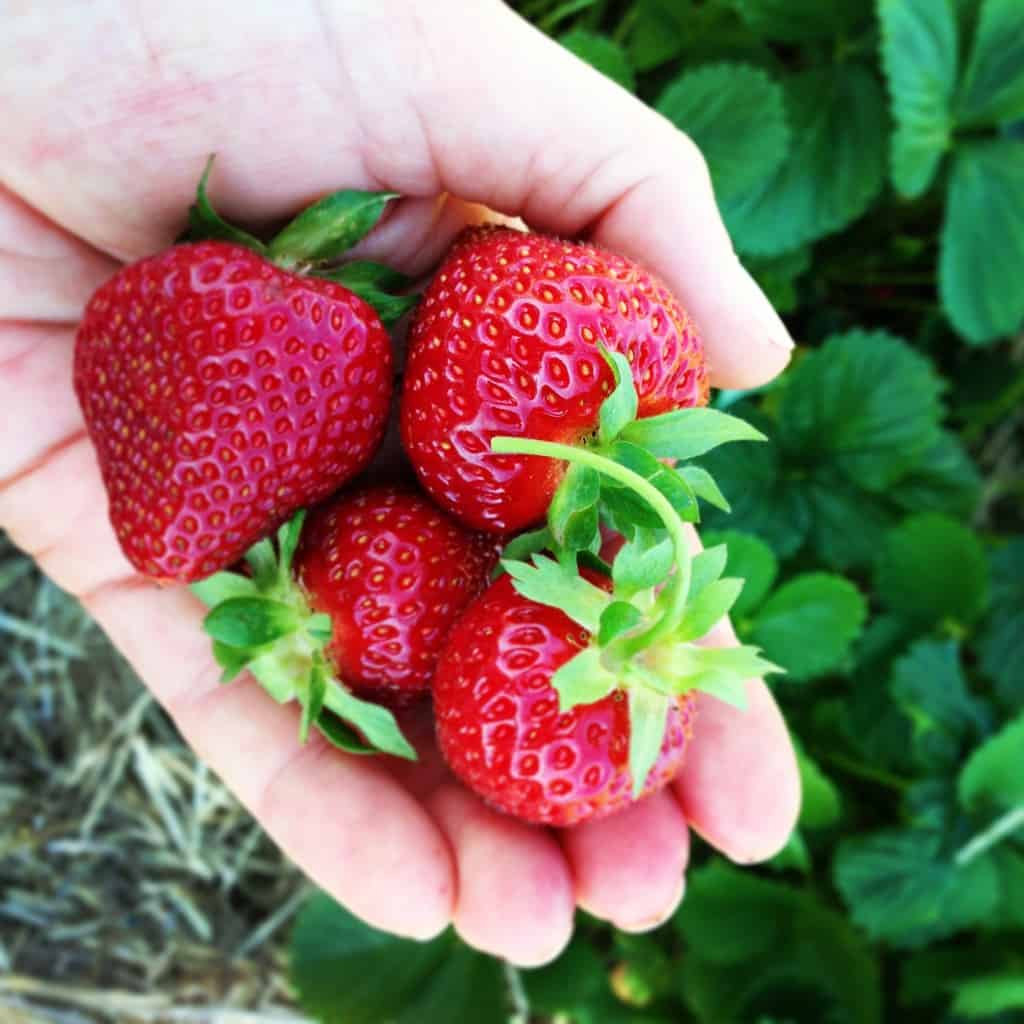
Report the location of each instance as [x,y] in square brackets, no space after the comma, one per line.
[537,584]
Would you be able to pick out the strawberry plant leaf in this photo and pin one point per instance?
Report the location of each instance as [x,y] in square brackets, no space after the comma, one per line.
[313,704]
[223,585]
[342,736]
[821,805]
[326,230]
[687,433]
[601,53]
[989,996]
[249,622]
[809,624]
[519,549]
[864,403]
[231,659]
[834,169]
[205,224]
[736,114]
[749,559]
[667,480]
[549,583]
[702,483]
[992,775]
[620,407]
[800,21]
[619,617]
[708,607]
[717,670]
[287,544]
[912,575]
[706,567]
[583,679]
[919,54]
[572,516]
[992,91]
[945,480]
[262,559]
[982,244]
[374,283]
[648,712]
[642,563]
[1002,640]
[833,502]
[374,721]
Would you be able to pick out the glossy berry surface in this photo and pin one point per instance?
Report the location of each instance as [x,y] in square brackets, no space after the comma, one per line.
[505,341]
[394,573]
[222,394]
[500,729]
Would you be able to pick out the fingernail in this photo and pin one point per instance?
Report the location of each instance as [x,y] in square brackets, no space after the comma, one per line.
[771,323]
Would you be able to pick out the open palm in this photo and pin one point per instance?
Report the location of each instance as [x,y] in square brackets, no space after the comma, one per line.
[108,119]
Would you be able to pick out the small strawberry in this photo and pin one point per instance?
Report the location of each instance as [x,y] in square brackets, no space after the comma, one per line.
[507,342]
[394,572]
[227,383]
[562,695]
[358,595]
[502,730]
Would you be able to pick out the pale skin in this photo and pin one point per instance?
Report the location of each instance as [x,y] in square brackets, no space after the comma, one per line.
[108,115]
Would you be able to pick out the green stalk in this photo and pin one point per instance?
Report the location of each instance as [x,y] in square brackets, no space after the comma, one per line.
[679,586]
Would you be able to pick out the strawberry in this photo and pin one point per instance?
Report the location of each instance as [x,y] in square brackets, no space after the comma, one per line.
[227,383]
[501,730]
[394,572]
[506,342]
[357,595]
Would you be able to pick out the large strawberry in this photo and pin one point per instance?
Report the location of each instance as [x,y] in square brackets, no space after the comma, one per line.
[506,342]
[563,695]
[394,572]
[358,595]
[227,383]
[501,729]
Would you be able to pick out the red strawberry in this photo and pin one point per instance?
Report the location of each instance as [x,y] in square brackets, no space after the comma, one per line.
[501,730]
[506,342]
[222,393]
[394,573]
[361,598]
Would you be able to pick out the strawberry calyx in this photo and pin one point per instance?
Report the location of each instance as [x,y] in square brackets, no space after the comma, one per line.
[644,630]
[262,623]
[315,242]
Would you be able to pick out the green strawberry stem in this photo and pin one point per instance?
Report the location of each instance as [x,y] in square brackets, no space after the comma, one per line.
[679,585]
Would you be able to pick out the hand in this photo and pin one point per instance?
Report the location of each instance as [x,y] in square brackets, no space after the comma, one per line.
[108,119]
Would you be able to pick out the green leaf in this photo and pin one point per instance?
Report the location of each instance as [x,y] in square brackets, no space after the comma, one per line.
[373,282]
[249,622]
[932,569]
[520,548]
[901,889]
[706,567]
[982,247]
[799,21]
[929,685]
[375,722]
[602,53]
[721,671]
[735,113]
[583,679]
[618,618]
[329,228]
[666,479]
[313,704]
[708,607]
[204,223]
[643,562]
[659,30]
[342,736]
[945,480]
[572,982]
[751,560]
[834,503]
[834,170]
[222,586]
[919,54]
[572,515]
[1002,641]
[865,403]
[648,713]
[232,659]
[549,583]
[687,433]
[337,964]
[809,623]
[821,805]
[262,559]
[620,407]
[992,91]
[994,773]
[987,996]
[287,543]
[702,483]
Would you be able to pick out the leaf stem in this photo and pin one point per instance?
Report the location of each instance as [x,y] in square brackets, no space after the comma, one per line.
[679,587]
[1002,827]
